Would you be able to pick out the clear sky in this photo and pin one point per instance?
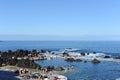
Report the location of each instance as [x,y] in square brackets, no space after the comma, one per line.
[81,19]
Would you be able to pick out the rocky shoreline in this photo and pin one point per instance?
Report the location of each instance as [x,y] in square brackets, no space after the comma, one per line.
[24,60]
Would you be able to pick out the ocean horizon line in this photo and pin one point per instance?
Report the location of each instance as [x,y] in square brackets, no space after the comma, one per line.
[67,40]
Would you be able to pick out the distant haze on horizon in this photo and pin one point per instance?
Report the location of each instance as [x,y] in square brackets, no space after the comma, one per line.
[58,38]
[60,20]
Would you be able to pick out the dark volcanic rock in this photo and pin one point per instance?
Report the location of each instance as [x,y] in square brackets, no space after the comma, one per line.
[1,61]
[26,63]
[11,58]
[12,62]
[59,69]
[78,60]
[118,57]
[83,54]
[107,56]
[49,68]
[70,59]
[73,60]
[95,61]
[65,54]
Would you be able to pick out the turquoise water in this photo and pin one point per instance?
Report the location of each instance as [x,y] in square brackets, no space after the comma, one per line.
[82,71]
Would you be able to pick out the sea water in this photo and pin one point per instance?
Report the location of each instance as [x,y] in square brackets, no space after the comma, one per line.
[86,70]
[81,71]
[104,46]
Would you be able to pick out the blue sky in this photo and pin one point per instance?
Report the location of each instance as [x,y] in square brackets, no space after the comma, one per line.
[81,19]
